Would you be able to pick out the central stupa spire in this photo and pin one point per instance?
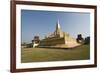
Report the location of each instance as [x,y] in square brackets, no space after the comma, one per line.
[58,29]
[57,25]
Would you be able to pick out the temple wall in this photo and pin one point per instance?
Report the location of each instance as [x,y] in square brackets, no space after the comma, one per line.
[52,41]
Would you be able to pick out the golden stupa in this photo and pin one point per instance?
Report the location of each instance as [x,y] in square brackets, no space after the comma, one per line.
[58,39]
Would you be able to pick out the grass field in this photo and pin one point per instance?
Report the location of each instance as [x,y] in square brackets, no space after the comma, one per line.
[49,54]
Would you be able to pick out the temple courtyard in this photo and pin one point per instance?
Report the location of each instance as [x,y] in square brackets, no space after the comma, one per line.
[55,54]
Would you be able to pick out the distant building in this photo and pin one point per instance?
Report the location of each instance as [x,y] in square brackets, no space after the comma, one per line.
[23,45]
[58,39]
[36,41]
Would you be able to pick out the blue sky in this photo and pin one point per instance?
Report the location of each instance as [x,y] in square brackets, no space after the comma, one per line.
[35,22]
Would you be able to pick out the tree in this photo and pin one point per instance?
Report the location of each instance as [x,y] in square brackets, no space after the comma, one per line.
[80,39]
[87,40]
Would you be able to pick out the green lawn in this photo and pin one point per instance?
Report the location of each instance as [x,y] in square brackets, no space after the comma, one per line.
[49,54]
